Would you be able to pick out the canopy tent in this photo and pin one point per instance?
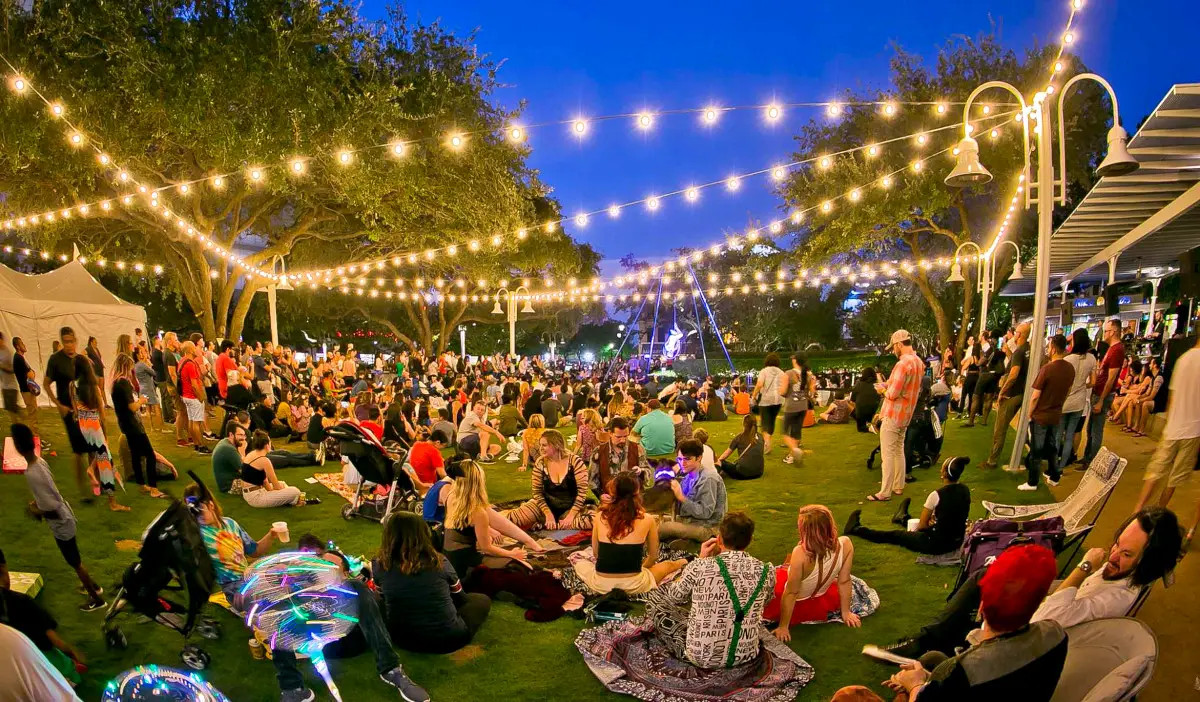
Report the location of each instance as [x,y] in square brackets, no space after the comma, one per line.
[35,307]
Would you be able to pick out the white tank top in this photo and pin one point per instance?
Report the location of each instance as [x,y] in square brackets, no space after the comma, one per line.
[822,576]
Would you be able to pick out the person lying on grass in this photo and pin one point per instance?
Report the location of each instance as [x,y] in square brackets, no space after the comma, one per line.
[805,584]
[231,550]
[943,519]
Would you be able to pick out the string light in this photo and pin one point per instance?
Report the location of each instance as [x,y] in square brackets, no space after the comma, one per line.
[516,134]
[645,120]
[711,115]
[778,173]
[773,112]
[580,127]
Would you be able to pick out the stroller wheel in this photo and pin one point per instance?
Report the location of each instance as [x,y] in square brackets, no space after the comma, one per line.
[114,638]
[209,629]
[194,657]
[347,512]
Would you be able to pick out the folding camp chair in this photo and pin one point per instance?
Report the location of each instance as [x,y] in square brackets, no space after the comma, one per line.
[1082,507]
[1108,660]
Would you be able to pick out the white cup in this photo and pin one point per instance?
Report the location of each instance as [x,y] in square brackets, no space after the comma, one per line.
[912,525]
[281,529]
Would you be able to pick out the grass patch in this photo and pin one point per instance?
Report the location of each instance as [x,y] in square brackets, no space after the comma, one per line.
[515,659]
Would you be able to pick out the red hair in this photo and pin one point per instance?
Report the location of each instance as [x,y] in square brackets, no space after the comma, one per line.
[626,506]
[817,531]
[1015,585]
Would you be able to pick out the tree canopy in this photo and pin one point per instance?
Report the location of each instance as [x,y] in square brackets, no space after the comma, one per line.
[181,90]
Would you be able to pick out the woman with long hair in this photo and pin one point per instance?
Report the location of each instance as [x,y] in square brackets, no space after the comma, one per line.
[125,345]
[127,404]
[621,534]
[804,584]
[263,488]
[469,521]
[970,377]
[588,426]
[532,406]
[682,420]
[425,607]
[89,411]
[531,441]
[143,371]
[1078,402]
[864,399]
[767,396]
[97,360]
[749,447]
[560,485]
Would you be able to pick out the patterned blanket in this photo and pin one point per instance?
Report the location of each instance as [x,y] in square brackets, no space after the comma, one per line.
[629,659]
[336,485]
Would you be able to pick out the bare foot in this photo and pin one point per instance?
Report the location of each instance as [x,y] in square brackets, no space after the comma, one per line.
[153,492]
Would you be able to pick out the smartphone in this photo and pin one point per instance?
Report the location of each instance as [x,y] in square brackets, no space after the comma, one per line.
[345,404]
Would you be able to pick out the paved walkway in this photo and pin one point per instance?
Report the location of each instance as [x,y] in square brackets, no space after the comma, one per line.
[1171,613]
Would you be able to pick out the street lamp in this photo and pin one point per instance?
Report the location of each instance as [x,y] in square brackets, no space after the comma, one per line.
[985,274]
[279,282]
[969,171]
[511,297]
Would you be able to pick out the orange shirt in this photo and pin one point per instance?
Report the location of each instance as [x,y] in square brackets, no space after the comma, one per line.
[741,402]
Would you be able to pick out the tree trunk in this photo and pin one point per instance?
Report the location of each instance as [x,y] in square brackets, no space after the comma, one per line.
[935,305]
[965,327]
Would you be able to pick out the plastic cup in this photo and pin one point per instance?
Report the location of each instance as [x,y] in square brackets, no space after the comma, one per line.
[912,524]
[256,650]
[281,530]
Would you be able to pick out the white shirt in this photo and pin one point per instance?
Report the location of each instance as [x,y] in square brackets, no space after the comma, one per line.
[27,675]
[932,501]
[709,459]
[1084,364]
[1095,598]
[1183,415]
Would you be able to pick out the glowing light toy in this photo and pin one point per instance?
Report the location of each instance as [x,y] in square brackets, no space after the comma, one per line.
[300,603]
[154,683]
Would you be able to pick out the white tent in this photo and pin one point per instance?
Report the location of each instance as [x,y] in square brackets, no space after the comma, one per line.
[35,307]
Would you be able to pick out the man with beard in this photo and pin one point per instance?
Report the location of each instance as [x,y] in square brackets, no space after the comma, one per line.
[1105,584]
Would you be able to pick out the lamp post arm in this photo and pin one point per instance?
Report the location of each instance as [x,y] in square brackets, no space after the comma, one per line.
[1062,141]
[1024,121]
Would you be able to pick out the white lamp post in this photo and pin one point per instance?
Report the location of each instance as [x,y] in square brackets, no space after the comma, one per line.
[278,268]
[969,171]
[985,274]
[511,298]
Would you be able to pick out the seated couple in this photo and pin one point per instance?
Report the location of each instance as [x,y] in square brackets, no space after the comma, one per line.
[231,550]
[252,464]
[1105,584]
[943,521]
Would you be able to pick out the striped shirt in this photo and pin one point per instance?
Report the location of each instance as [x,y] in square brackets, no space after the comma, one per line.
[903,388]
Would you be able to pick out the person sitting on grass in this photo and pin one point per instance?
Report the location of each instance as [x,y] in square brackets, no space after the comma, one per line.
[805,584]
[1012,657]
[232,549]
[711,614]
[749,447]
[263,488]
[943,519]
[476,437]
[426,608]
[531,442]
[434,505]
[321,420]
[620,535]
[701,498]
[838,411]
[655,430]
[471,524]
[264,418]
[425,465]
[559,492]
[1105,584]
[23,613]
[616,453]
[709,459]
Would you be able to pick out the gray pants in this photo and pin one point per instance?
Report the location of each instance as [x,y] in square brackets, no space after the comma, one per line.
[166,399]
[1004,415]
[675,528]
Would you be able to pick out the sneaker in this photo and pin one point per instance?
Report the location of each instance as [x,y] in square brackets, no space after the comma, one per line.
[204,450]
[83,591]
[853,522]
[409,690]
[1026,487]
[183,443]
[910,478]
[92,605]
[211,436]
[900,518]
[301,695]
[1051,481]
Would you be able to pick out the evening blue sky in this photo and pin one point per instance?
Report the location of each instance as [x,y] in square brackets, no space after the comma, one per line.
[596,58]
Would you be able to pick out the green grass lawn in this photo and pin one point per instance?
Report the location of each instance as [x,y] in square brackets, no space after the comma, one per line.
[513,659]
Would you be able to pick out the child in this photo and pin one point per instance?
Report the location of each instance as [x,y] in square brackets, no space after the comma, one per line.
[48,504]
[530,438]
[709,459]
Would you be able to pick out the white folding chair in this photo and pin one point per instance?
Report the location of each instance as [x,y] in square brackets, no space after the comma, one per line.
[1108,660]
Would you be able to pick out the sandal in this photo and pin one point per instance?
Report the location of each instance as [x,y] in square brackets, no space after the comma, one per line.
[877,498]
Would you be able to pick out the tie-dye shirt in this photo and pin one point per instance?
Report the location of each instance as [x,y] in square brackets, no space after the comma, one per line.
[229,547]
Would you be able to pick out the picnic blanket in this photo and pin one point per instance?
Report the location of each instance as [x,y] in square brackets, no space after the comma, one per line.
[336,485]
[629,659]
[572,581]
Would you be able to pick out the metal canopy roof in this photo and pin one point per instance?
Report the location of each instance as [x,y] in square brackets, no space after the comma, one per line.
[1148,217]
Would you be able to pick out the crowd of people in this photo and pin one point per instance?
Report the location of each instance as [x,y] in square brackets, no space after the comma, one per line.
[640,475]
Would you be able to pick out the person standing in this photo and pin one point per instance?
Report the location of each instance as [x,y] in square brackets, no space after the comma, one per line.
[970,379]
[191,389]
[24,374]
[1076,406]
[93,354]
[900,395]
[1011,394]
[226,368]
[146,383]
[163,383]
[798,386]
[1051,388]
[8,381]
[1175,458]
[127,403]
[767,389]
[61,373]
[1104,388]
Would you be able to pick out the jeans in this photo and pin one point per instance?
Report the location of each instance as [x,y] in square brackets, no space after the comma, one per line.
[1008,409]
[374,630]
[1095,428]
[1067,426]
[1042,444]
[950,628]
[891,452]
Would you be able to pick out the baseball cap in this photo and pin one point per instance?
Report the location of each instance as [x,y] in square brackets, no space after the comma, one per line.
[900,335]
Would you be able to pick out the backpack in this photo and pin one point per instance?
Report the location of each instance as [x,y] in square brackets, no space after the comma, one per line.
[798,389]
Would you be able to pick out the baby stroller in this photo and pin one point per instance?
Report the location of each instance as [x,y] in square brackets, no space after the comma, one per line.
[172,558]
[923,439]
[376,465]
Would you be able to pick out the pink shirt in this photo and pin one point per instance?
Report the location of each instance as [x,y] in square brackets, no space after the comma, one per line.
[903,389]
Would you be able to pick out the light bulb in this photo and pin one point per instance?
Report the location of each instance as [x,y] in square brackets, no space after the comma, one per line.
[652,203]
[581,219]
[778,173]
[826,206]
[457,141]
[516,134]
[987,109]
[776,227]
[496,240]
[1050,89]
[710,115]
[127,200]
[733,183]
[83,209]
[297,166]
[855,195]
[580,127]
[76,139]
[19,84]
[614,211]
[551,226]
[218,182]
[922,140]
[521,234]
[645,120]
[889,109]
[183,189]
[397,148]
[1069,38]
[833,109]
[995,133]
[918,165]
[1058,66]
[345,157]
[106,205]
[872,151]
[773,112]
[256,174]
[451,250]
[103,159]
[941,108]
[886,182]
[692,193]
[57,109]
[797,217]
[1077,4]
[825,162]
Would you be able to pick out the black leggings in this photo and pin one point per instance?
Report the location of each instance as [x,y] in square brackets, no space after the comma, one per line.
[472,608]
[970,380]
[140,450]
[919,541]
[731,469]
